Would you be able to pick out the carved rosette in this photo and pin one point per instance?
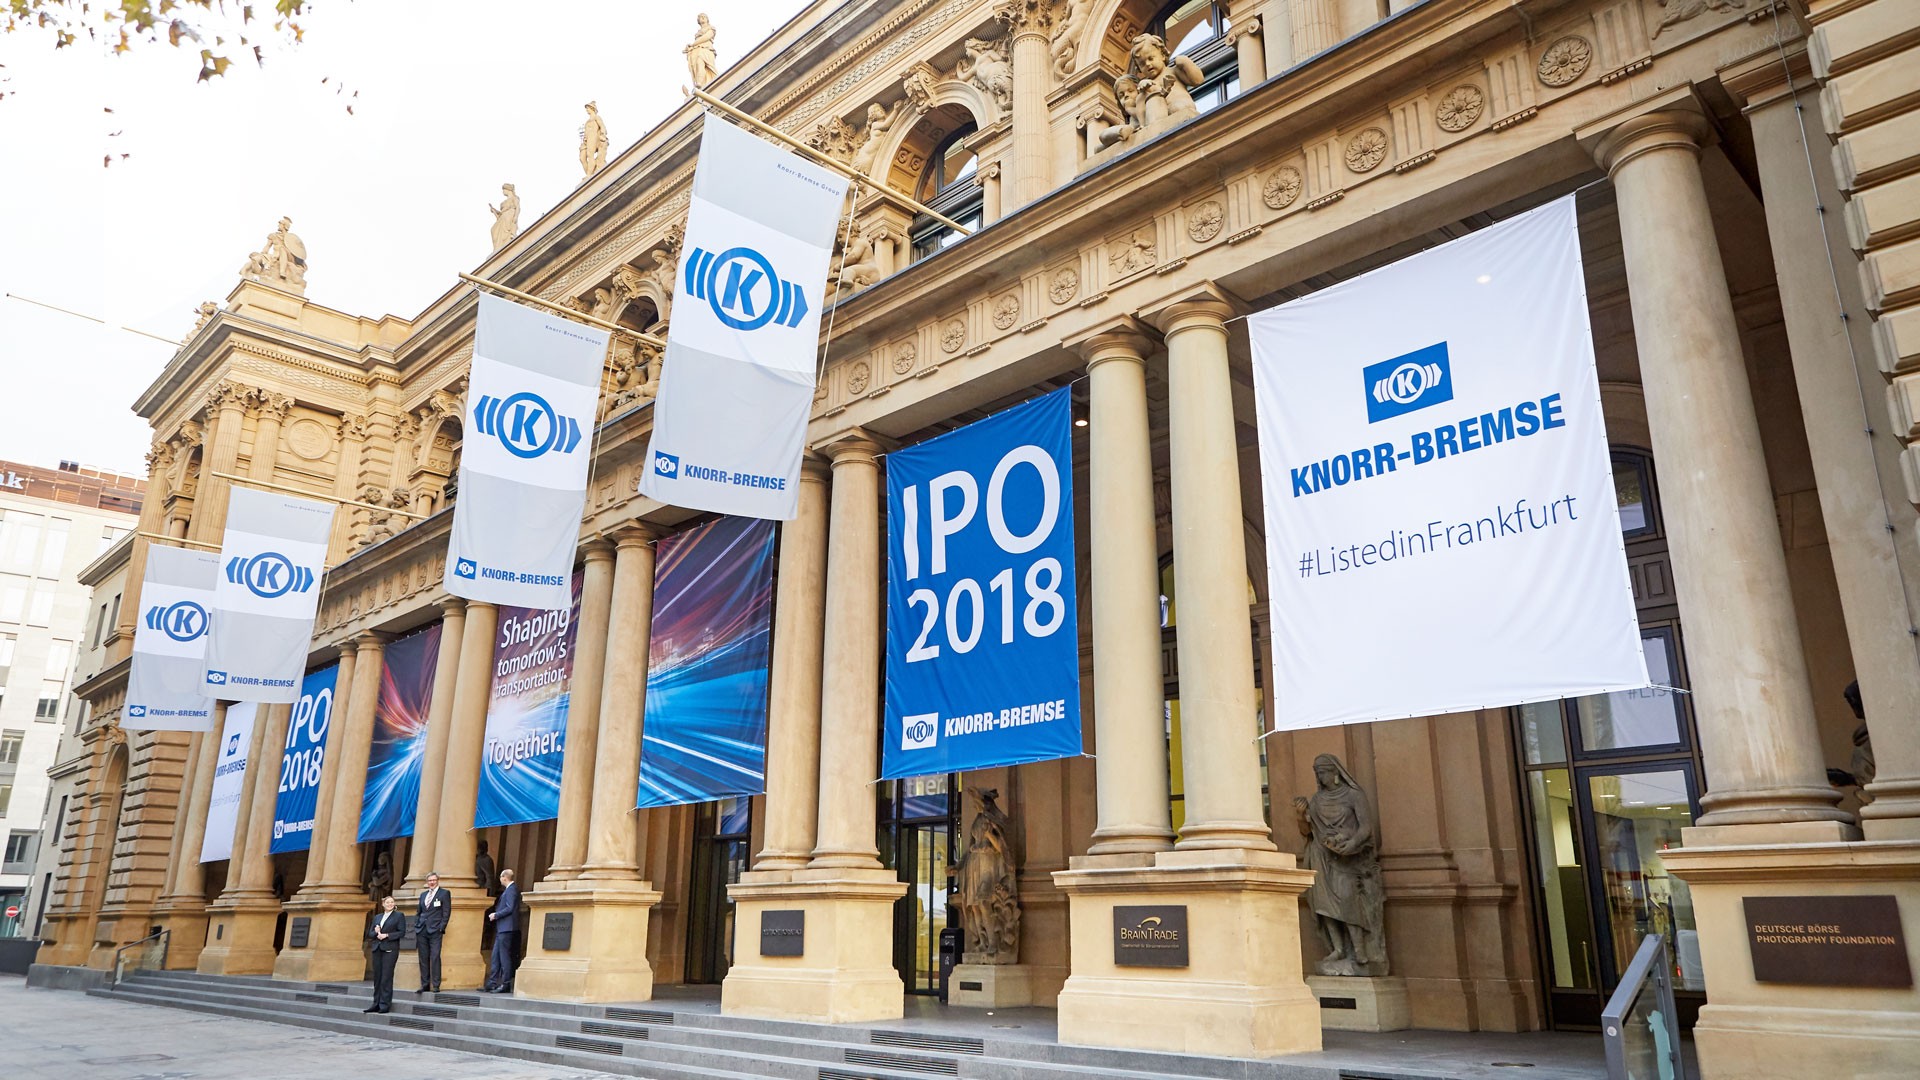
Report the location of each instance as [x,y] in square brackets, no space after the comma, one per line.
[1366,150]
[1006,311]
[1565,60]
[1064,286]
[1460,108]
[953,336]
[1282,188]
[859,377]
[1205,221]
[903,358]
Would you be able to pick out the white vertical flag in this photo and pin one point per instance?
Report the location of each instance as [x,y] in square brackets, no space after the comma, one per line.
[229,782]
[265,597]
[737,386]
[1442,529]
[531,399]
[164,687]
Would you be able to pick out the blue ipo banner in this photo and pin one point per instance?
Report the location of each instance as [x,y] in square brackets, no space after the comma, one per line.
[705,735]
[983,665]
[293,808]
[527,714]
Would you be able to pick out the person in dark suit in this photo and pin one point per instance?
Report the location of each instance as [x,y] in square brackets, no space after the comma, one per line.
[388,926]
[429,925]
[505,918]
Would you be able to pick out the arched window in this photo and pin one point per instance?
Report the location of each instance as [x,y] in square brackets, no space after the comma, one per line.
[949,185]
[1197,29]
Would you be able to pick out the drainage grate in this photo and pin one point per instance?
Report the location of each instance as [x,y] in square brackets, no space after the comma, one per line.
[440,1011]
[591,1046]
[320,998]
[332,988]
[903,1062]
[618,1031]
[827,1072]
[644,1016]
[914,1040]
[409,1022]
[458,999]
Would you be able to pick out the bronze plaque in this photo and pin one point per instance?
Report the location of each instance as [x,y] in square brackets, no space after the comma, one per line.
[783,933]
[298,931]
[1827,940]
[556,931]
[1150,935]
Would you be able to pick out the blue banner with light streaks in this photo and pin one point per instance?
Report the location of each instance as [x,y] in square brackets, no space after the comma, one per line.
[527,714]
[399,736]
[705,735]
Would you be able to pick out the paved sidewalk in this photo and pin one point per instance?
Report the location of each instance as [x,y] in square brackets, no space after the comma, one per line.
[62,1035]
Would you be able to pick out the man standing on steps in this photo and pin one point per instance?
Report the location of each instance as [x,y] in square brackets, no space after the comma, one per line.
[505,920]
[429,925]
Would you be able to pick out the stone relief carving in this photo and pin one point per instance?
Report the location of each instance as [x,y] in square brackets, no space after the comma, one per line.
[701,59]
[954,336]
[859,377]
[1460,108]
[1282,187]
[506,217]
[1134,254]
[282,262]
[1205,221]
[833,138]
[308,439]
[880,121]
[272,404]
[225,393]
[1366,150]
[1564,61]
[593,141]
[987,67]
[1025,16]
[355,426]
[1346,896]
[1065,42]
[917,84]
[988,885]
[1064,286]
[1006,311]
[1679,11]
[903,358]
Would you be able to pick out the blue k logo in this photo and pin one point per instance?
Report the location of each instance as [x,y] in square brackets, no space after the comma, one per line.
[269,575]
[739,285]
[182,620]
[466,568]
[666,465]
[526,425]
[1408,383]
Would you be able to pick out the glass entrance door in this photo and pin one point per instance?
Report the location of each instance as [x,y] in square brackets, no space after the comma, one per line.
[918,821]
[720,839]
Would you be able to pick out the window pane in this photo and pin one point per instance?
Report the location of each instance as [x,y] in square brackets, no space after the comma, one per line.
[13,602]
[1629,486]
[1628,718]
[6,653]
[53,553]
[59,655]
[40,608]
[1541,733]
[1562,885]
[48,707]
[1637,817]
[10,747]
[6,798]
[22,539]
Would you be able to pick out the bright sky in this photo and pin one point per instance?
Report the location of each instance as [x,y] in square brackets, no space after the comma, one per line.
[454,99]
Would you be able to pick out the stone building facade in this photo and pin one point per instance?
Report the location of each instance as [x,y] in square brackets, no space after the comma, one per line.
[1745,177]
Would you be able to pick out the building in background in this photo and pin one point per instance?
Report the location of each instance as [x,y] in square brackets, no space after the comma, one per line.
[53,524]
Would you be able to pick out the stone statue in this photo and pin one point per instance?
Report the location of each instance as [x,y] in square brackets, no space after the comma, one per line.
[1346,896]
[987,67]
[593,141]
[1153,92]
[483,872]
[700,56]
[879,122]
[1065,41]
[380,881]
[506,217]
[859,265]
[1861,770]
[989,897]
[282,262]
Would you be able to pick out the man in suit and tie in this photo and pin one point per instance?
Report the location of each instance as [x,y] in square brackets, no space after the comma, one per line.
[388,926]
[505,918]
[429,926]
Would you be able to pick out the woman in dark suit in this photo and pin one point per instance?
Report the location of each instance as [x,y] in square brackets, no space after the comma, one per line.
[386,931]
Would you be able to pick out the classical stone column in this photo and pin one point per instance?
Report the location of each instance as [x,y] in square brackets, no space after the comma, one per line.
[1751,700]
[1218,705]
[227,413]
[1130,759]
[330,764]
[463,967]
[604,908]
[1249,50]
[583,716]
[1316,27]
[990,201]
[850,680]
[793,716]
[266,435]
[242,920]
[1028,24]
[424,845]
[183,910]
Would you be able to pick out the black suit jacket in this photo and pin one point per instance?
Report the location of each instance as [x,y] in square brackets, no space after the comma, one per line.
[432,918]
[394,924]
[507,908]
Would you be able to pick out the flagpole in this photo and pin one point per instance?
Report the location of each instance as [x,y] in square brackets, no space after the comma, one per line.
[165,539]
[644,339]
[824,159]
[238,479]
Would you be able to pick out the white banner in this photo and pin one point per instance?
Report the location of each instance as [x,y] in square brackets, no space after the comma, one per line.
[531,399]
[164,687]
[265,596]
[1442,529]
[229,782]
[736,387]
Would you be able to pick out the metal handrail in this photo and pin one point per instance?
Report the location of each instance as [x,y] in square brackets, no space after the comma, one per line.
[1650,965]
[160,938]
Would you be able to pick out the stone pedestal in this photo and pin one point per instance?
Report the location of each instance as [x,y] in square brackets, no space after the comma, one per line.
[990,986]
[1241,992]
[334,948]
[844,971]
[601,953]
[240,937]
[1764,1030]
[186,924]
[1349,1003]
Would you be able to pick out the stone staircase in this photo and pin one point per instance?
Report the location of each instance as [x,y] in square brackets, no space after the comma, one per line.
[681,1044]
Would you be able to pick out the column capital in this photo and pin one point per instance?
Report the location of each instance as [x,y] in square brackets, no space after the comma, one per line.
[1025,17]
[1242,28]
[372,640]
[633,534]
[1200,305]
[854,446]
[1673,120]
[452,605]
[1123,338]
[346,646]
[814,469]
[596,549]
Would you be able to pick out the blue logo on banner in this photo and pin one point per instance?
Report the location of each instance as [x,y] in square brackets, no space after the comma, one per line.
[136,710]
[666,464]
[983,657]
[740,286]
[233,744]
[300,766]
[526,425]
[182,620]
[1407,383]
[269,575]
[216,678]
[466,568]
